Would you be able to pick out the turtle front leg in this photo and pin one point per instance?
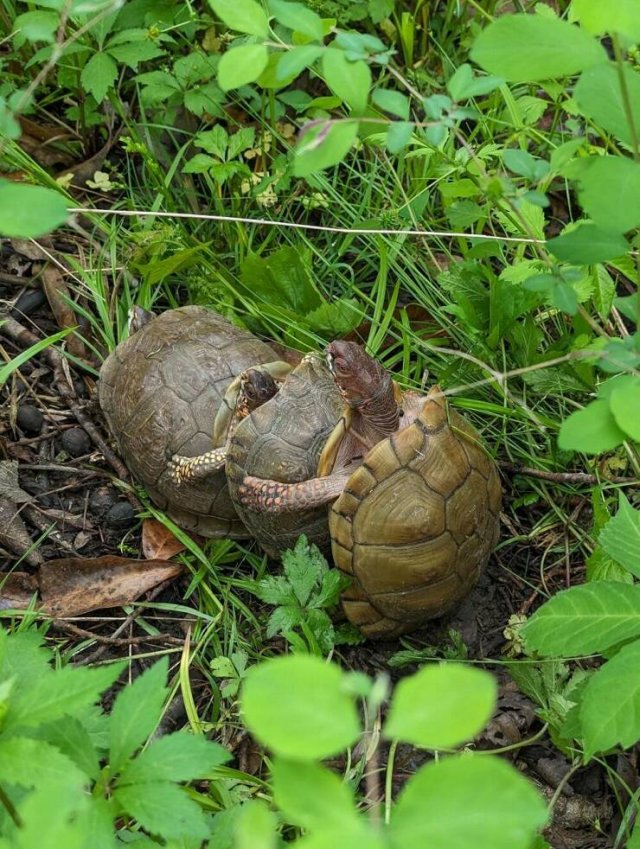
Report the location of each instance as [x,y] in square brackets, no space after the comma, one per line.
[268,496]
[192,469]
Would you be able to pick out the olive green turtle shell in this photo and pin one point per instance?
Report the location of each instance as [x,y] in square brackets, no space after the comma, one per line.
[416,522]
[160,391]
[282,440]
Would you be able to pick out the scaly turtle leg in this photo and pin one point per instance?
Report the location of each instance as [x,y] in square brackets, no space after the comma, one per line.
[191,469]
[246,393]
[270,496]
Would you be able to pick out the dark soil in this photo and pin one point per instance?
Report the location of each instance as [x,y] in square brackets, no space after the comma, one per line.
[78,507]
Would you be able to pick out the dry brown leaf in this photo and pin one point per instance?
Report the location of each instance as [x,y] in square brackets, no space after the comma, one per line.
[158,543]
[59,297]
[17,590]
[74,585]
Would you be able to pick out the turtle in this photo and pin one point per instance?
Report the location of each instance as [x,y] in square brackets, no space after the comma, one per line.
[417,521]
[293,455]
[413,521]
[169,389]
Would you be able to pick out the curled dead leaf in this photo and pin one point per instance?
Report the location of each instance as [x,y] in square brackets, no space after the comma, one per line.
[158,543]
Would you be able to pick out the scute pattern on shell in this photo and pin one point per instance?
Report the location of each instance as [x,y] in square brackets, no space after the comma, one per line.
[282,440]
[416,523]
[160,391]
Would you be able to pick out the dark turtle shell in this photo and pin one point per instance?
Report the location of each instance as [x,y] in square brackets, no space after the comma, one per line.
[160,391]
[282,441]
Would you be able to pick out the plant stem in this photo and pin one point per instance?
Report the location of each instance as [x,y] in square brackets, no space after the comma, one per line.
[388,782]
[9,807]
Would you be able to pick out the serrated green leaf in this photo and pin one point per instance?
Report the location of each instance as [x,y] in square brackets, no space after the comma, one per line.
[329,593]
[194,68]
[604,290]
[284,619]
[136,712]
[619,17]
[620,537]
[135,52]
[351,81]
[176,757]
[323,146]
[585,619]
[336,318]
[298,17]
[599,97]
[311,796]
[274,589]
[164,809]
[610,705]
[391,101]
[53,817]
[28,212]
[441,706]
[591,430]
[65,691]
[587,244]
[241,65]
[200,163]
[624,403]
[467,802]
[71,737]
[245,16]
[525,48]
[316,720]
[34,763]
[99,75]
[609,191]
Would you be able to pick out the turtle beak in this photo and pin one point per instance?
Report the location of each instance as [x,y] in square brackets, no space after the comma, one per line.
[331,362]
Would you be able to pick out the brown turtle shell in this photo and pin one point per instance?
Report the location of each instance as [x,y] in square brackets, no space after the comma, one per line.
[416,522]
[160,391]
[282,441]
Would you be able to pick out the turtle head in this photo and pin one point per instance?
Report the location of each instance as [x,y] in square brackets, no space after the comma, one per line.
[359,377]
[256,387]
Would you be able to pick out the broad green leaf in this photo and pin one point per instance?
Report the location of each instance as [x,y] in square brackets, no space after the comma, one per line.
[463,84]
[391,101]
[291,63]
[282,278]
[323,146]
[604,290]
[245,16]
[193,69]
[598,17]
[28,212]
[135,52]
[335,318]
[599,97]
[351,81]
[591,430]
[441,706]
[36,26]
[297,17]
[256,827]
[610,705]
[467,802]
[625,406]
[587,244]
[65,691]
[98,75]
[311,796]
[176,757]
[34,763]
[136,712]
[524,48]
[585,619]
[398,136]
[163,808]
[620,537]
[523,163]
[52,817]
[610,191]
[634,840]
[316,719]
[241,65]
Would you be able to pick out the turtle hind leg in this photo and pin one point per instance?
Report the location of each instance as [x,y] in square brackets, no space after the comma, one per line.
[192,469]
[270,496]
